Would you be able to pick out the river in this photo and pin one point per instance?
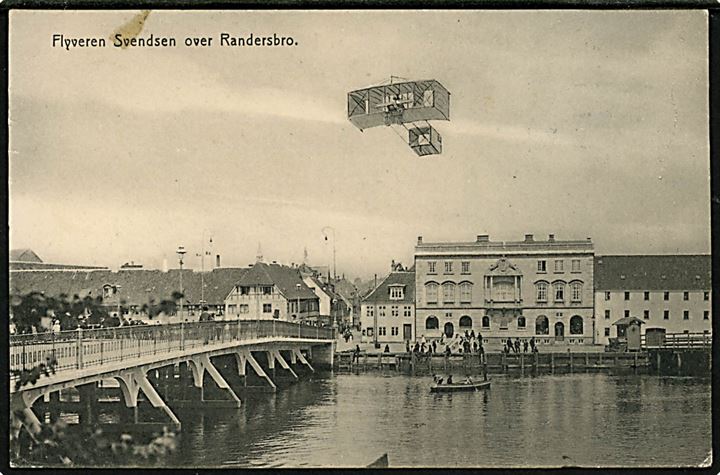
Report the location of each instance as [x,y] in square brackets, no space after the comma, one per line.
[347,420]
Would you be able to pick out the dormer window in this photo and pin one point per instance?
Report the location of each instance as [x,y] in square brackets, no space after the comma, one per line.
[397,292]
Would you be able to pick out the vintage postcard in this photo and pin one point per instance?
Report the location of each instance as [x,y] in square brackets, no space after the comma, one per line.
[381,238]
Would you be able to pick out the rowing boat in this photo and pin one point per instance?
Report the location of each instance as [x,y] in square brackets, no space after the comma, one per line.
[448,388]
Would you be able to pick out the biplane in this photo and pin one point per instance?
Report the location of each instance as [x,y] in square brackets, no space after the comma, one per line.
[410,105]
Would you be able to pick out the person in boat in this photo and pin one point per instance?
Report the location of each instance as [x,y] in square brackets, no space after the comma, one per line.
[449,379]
[468,380]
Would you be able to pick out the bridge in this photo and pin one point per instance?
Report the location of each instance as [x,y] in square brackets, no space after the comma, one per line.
[140,357]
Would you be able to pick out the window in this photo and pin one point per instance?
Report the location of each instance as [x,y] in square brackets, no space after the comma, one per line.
[666,295]
[394,331]
[521,322]
[465,322]
[381,331]
[431,292]
[542,325]
[465,267]
[686,295]
[627,313]
[267,290]
[394,311]
[244,308]
[232,308]
[607,314]
[575,263]
[607,332]
[448,292]
[466,292]
[607,295]
[542,266]
[686,315]
[646,295]
[370,311]
[576,291]
[486,322]
[627,295]
[706,315]
[541,289]
[381,310]
[369,331]
[448,314]
[448,267]
[706,295]
[576,325]
[431,267]
[559,266]
[407,311]
[267,308]
[396,293]
[559,291]
[244,290]
[431,323]
[666,315]
[646,314]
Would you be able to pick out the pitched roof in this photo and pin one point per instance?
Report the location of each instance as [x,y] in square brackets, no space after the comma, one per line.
[653,272]
[286,279]
[628,320]
[382,291]
[24,255]
[137,287]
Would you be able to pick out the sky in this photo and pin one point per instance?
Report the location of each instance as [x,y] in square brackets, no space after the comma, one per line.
[577,123]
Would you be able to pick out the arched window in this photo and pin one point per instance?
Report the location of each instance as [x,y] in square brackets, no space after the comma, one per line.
[576,325]
[541,291]
[521,322]
[486,321]
[431,292]
[559,290]
[576,291]
[465,292]
[542,325]
[448,292]
[465,322]
[449,330]
[431,323]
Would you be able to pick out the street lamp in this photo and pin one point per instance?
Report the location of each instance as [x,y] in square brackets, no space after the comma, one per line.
[119,312]
[297,286]
[202,255]
[326,238]
[181,253]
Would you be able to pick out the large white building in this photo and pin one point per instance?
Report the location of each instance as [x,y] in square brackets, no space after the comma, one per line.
[518,289]
[673,292]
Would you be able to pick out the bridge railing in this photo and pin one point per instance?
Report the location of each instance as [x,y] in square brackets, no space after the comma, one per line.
[678,340]
[78,349]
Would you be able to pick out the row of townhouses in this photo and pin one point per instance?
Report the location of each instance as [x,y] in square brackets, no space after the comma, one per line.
[260,291]
[558,292]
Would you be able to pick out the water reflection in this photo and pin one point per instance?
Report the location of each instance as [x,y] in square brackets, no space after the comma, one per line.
[349,420]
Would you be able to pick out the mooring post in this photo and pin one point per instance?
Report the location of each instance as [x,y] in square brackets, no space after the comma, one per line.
[571,360]
[484,365]
[587,361]
[503,362]
[522,363]
[552,362]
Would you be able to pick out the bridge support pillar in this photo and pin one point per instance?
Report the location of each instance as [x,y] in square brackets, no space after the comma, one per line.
[323,355]
[88,403]
[245,356]
[276,355]
[297,355]
[134,380]
[201,364]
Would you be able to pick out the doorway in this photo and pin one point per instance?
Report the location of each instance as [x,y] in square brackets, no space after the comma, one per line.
[407,332]
[449,330]
[559,331]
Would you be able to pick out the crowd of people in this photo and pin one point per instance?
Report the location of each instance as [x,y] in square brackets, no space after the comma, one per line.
[515,346]
[467,342]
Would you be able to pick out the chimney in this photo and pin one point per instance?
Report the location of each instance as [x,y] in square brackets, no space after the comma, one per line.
[529,238]
[392,265]
[217,261]
[551,238]
[482,238]
[419,240]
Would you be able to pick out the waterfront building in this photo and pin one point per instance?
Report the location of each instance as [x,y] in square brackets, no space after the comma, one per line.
[673,292]
[333,308]
[272,291]
[387,314]
[511,289]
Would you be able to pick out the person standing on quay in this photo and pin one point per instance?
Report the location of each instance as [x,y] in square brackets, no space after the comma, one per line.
[525,346]
[407,346]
